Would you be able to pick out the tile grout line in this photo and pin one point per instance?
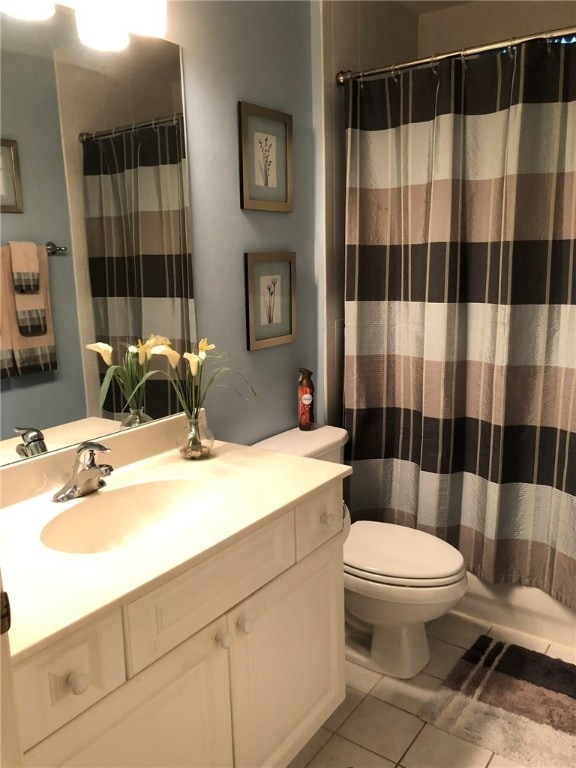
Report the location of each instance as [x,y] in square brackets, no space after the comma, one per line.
[403,755]
[372,752]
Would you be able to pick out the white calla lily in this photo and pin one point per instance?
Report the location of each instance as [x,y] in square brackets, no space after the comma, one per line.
[104,350]
[193,362]
[171,354]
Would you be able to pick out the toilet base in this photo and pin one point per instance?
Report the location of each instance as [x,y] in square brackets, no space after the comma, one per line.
[396,651]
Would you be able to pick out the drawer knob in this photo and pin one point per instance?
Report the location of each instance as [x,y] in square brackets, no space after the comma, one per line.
[327,518]
[245,624]
[78,682]
[224,639]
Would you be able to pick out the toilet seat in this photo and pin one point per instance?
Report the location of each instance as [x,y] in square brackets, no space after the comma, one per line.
[384,553]
[403,582]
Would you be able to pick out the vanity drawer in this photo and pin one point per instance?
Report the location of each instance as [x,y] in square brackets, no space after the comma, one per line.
[318,519]
[160,620]
[69,676]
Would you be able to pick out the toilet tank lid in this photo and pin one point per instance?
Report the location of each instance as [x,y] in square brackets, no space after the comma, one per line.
[310,443]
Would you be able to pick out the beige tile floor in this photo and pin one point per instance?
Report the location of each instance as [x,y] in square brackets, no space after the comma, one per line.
[377,726]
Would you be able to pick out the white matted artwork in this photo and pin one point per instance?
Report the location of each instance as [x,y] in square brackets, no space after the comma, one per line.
[265,158]
[270,299]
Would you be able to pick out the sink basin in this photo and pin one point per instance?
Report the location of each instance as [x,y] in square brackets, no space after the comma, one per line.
[114,517]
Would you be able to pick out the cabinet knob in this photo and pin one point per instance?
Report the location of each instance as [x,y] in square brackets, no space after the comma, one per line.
[224,639]
[327,518]
[245,624]
[78,682]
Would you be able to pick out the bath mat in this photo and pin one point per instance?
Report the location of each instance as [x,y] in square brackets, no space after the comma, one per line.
[513,701]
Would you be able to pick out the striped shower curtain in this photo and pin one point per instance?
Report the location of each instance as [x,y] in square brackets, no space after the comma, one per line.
[136,211]
[460,315]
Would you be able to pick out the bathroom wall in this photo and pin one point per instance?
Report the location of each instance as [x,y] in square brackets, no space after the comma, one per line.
[32,120]
[477,23]
[259,52]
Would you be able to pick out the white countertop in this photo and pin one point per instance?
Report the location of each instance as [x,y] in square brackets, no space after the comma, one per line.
[230,493]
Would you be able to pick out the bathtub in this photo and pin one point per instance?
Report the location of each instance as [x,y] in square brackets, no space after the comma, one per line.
[524,608]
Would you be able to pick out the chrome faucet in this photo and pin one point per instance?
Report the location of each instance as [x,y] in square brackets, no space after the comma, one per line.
[87,475]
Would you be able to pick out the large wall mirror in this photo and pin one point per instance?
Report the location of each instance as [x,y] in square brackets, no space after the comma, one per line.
[53,90]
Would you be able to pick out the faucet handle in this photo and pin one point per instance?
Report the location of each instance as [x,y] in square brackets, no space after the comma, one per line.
[90,445]
[91,448]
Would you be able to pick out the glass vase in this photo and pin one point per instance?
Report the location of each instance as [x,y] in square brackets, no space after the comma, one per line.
[135,418]
[195,440]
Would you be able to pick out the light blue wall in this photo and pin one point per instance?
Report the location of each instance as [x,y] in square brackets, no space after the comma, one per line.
[30,116]
[258,52]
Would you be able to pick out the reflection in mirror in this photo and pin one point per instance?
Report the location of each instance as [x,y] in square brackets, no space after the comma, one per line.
[130,257]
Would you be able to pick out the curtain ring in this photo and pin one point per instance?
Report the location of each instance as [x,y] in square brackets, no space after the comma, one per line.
[511,49]
[548,42]
[463,59]
[433,66]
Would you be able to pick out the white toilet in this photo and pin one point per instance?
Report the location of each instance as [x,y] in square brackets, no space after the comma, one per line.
[395,578]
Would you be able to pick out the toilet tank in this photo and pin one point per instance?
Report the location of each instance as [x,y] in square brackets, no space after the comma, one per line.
[324,442]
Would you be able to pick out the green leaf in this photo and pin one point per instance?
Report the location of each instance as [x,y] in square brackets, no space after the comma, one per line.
[105,386]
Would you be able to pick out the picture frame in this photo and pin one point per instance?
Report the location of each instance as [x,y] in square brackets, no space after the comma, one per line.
[265,158]
[10,181]
[270,299]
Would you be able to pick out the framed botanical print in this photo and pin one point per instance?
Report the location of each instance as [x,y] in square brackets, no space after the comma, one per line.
[270,299]
[265,158]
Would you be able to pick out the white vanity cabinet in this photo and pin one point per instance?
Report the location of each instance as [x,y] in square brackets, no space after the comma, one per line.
[286,660]
[174,713]
[235,662]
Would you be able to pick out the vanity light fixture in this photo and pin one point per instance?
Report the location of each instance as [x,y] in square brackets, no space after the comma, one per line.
[29,10]
[101,24]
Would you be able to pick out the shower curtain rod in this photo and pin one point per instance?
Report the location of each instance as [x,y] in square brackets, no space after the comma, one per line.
[127,128]
[344,75]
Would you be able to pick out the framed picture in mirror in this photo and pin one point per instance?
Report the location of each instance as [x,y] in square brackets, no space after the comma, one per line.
[265,158]
[270,299]
[10,182]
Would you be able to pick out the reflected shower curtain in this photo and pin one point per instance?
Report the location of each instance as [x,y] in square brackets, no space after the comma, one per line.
[460,317]
[136,213]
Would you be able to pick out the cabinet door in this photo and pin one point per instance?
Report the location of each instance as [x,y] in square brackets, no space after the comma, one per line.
[174,713]
[287,659]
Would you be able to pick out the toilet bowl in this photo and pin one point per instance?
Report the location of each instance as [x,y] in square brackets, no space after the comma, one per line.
[395,578]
